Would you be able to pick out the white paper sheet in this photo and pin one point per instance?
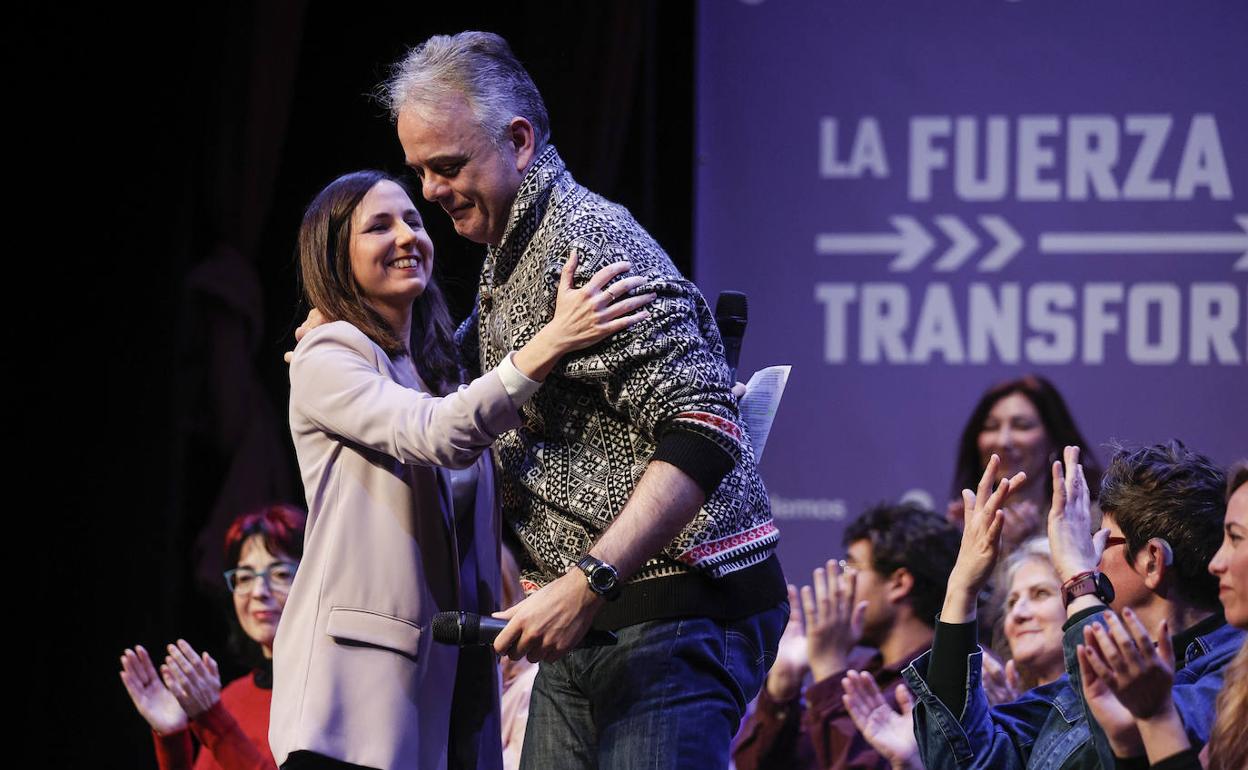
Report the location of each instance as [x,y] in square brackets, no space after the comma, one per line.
[760,402]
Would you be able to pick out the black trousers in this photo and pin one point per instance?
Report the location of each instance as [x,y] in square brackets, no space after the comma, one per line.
[310,760]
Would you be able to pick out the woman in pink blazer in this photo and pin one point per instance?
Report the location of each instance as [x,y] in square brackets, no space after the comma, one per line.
[401,516]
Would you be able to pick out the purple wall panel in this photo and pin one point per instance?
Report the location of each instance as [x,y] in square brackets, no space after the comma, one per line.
[1110,138]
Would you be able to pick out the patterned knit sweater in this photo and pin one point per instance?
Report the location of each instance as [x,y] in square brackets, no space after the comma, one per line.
[660,390]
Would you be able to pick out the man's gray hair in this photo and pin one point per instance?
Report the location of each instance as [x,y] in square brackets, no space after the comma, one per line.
[476,65]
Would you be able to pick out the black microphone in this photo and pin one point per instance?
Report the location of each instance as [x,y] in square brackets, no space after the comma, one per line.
[464,629]
[731,314]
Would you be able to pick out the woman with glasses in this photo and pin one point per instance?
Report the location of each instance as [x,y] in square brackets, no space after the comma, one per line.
[185,697]
[1128,679]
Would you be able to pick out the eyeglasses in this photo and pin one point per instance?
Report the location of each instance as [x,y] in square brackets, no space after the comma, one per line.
[277,577]
[1161,543]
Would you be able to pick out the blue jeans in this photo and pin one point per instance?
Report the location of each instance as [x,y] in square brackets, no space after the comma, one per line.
[670,694]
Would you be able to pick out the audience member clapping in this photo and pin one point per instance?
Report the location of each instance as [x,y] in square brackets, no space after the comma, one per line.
[1033,629]
[1033,613]
[1128,682]
[890,733]
[884,596]
[1164,509]
[231,724]
[1025,422]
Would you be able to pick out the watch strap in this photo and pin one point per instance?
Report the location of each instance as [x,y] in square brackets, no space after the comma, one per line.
[593,566]
[1084,584]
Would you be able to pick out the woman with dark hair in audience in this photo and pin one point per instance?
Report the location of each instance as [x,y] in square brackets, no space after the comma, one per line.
[262,549]
[402,519]
[1025,422]
[1127,678]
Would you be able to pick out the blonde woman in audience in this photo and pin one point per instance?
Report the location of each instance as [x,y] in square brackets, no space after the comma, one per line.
[1034,615]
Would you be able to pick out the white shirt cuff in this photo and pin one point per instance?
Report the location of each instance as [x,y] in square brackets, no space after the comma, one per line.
[518,386]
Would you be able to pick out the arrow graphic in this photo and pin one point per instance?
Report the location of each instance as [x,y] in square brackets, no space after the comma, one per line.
[963,246]
[1008,243]
[1151,243]
[910,243]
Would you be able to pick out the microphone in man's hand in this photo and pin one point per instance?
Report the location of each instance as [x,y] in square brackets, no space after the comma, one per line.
[731,314]
[465,629]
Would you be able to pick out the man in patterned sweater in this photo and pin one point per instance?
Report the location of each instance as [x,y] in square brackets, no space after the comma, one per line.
[631,484]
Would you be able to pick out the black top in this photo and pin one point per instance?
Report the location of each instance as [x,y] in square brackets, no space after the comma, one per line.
[1188,759]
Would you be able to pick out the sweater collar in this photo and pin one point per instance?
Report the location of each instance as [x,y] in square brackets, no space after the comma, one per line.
[527,210]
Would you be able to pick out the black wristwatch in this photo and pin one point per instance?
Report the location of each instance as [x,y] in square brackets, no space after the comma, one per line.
[602,577]
[1092,582]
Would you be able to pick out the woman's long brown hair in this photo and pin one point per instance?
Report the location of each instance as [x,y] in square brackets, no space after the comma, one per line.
[1228,743]
[330,286]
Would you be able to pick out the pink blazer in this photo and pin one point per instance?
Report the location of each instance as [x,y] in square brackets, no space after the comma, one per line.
[356,674]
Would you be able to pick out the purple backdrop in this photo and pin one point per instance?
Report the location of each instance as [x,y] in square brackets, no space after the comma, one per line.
[922,199]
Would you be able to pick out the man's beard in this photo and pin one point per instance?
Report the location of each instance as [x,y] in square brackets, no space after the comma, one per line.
[875,630]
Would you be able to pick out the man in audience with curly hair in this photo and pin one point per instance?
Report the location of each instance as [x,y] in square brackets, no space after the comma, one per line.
[884,597]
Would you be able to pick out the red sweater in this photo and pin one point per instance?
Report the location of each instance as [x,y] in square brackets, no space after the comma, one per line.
[233,734]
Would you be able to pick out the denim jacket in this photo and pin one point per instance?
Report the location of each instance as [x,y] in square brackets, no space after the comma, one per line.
[1046,728]
[1197,679]
[1050,726]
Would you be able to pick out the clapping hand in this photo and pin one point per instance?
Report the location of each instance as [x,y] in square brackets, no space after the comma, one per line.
[1122,653]
[1070,520]
[981,542]
[150,696]
[1127,682]
[192,678]
[889,733]
[1002,684]
[833,619]
[1023,520]
[784,680]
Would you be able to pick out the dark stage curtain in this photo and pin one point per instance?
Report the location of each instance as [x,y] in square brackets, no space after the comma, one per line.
[227,421]
[195,136]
